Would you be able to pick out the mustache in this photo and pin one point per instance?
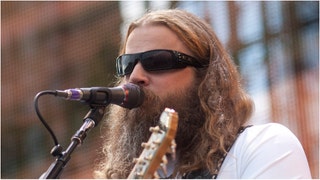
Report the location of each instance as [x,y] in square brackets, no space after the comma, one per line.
[150,98]
[151,106]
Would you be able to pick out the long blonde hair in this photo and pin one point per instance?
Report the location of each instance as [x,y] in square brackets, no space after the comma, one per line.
[226,105]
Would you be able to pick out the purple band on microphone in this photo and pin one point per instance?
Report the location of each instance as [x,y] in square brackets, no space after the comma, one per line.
[74,94]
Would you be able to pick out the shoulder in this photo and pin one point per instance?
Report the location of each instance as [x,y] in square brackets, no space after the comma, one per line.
[267,151]
[267,131]
[271,138]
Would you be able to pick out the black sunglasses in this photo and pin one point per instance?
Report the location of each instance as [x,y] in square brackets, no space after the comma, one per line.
[155,60]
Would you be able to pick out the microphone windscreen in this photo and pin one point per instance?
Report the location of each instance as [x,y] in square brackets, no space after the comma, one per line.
[134,96]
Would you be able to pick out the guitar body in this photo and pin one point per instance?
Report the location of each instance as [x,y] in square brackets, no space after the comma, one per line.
[158,144]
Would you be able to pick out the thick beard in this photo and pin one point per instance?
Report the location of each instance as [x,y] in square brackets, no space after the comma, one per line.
[127,129]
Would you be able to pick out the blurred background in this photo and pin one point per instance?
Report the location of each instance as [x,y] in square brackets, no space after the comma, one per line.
[61,45]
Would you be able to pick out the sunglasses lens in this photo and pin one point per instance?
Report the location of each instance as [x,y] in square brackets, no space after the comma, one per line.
[125,64]
[157,60]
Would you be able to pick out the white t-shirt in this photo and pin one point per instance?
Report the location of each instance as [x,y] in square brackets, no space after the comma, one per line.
[266,151]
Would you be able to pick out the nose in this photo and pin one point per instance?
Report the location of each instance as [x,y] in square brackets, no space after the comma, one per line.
[139,76]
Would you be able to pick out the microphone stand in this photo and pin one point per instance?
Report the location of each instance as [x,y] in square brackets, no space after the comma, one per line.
[93,117]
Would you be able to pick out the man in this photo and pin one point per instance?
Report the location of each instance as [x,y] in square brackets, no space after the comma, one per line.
[179,63]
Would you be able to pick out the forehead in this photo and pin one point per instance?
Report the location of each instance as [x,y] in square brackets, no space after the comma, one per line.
[149,37]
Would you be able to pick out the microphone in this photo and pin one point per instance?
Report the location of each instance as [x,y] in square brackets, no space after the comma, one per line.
[128,95]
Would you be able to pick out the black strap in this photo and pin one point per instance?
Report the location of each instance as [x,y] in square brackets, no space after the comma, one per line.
[204,173]
[198,174]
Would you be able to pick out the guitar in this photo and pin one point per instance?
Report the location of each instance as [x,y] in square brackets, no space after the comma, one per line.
[162,138]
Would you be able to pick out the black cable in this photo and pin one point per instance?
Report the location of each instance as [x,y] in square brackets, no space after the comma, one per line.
[36,98]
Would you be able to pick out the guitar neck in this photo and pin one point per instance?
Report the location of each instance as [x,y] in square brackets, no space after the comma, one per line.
[155,149]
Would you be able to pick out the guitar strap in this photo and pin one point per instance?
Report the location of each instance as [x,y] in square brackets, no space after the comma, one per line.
[204,173]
